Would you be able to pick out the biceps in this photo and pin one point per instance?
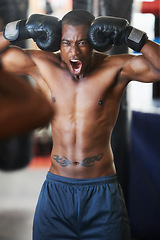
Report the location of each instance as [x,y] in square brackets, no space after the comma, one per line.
[17,61]
[139,69]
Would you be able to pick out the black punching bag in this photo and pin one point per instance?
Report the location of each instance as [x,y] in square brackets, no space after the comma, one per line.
[15,153]
[120,136]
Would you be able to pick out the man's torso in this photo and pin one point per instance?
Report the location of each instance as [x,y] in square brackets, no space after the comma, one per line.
[85,112]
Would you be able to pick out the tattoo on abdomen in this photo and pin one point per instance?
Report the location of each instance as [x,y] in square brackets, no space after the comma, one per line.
[64,162]
[87,162]
[90,161]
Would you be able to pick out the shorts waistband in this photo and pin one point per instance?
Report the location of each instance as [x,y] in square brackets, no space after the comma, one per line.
[85,181]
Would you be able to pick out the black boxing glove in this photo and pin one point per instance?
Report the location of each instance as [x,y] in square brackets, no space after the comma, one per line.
[107,31]
[43,29]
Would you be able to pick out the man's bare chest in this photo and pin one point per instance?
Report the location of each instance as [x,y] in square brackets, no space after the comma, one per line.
[92,93]
[88,96]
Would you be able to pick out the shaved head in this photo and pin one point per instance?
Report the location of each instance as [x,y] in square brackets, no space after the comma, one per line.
[78,17]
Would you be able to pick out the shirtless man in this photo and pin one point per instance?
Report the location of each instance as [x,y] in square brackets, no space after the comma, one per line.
[81,197]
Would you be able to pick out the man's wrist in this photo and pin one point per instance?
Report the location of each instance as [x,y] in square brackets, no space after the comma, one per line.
[16,31]
[135,38]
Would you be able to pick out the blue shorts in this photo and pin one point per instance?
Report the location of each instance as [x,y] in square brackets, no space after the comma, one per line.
[75,209]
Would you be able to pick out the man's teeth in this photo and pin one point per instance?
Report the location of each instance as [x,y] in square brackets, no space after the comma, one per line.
[74,60]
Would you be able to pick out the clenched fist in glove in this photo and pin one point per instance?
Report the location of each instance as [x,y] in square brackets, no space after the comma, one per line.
[43,29]
[107,31]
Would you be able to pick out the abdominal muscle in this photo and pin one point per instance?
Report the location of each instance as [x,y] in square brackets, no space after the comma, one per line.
[86,157]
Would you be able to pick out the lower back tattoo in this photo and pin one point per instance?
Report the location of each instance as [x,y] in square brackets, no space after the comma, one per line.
[87,162]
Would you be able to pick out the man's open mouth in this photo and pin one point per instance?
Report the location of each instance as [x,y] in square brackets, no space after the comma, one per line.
[76,66]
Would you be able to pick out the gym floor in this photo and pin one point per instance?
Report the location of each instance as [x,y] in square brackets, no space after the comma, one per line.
[19,192]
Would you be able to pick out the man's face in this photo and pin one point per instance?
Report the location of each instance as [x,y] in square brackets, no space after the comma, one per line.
[75,49]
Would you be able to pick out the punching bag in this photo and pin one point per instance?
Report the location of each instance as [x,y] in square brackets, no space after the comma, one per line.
[121,149]
[15,153]
[116,8]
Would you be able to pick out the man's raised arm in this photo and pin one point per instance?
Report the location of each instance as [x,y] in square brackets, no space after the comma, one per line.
[108,31]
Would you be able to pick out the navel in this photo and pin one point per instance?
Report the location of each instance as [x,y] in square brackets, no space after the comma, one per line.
[76,163]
